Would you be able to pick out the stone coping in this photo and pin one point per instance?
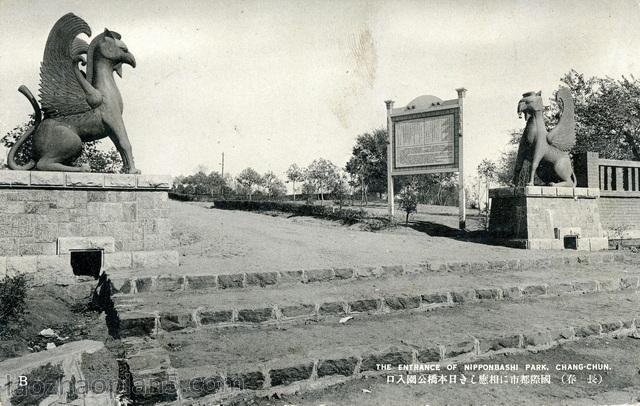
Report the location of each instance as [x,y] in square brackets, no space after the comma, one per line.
[125,282]
[545,191]
[620,193]
[82,180]
[135,313]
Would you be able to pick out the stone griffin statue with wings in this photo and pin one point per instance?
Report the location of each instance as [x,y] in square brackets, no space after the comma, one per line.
[545,153]
[77,106]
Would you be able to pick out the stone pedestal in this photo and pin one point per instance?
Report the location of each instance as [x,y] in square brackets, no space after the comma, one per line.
[47,216]
[542,217]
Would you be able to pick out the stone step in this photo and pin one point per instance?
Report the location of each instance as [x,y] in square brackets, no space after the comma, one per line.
[147,313]
[207,365]
[173,279]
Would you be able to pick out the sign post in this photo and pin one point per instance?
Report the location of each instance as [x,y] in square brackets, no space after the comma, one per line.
[462,201]
[390,192]
[426,137]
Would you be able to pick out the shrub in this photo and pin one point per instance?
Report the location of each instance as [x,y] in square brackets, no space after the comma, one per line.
[408,199]
[181,197]
[13,294]
[377,224]
[347,216]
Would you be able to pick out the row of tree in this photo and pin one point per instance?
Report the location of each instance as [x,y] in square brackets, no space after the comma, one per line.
[320,178]
[249,181]
[213,184]
[364,175]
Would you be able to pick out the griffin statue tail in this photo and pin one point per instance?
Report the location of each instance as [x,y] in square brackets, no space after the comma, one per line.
[11,161]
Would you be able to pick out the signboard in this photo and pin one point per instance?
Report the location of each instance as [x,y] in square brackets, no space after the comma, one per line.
[425,142]
[426,137]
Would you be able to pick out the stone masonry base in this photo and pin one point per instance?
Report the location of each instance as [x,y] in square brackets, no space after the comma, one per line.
[542,217]
[46,217]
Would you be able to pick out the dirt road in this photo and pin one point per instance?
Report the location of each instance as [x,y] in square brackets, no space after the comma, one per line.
[223,241]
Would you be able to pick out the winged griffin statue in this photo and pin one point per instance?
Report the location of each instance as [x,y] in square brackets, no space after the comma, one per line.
[77,106]
[545,153]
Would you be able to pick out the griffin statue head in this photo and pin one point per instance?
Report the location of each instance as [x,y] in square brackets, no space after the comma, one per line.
[530,102]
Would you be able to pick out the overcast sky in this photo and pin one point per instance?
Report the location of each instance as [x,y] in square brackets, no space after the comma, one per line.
[274,82]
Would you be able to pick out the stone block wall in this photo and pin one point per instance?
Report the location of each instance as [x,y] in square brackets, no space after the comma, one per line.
[621,215]
[619,185]
[32,221]
[44,216]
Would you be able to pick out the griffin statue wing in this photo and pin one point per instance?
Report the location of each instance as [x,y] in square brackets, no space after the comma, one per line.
[563,135]
[60,91]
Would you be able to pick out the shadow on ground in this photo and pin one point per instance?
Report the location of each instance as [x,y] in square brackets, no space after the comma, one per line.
[440,230]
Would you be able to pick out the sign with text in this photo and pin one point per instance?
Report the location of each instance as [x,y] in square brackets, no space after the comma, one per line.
[425,142]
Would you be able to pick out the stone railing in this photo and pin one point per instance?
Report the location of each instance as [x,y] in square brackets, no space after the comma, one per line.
[619,176]
[613,177]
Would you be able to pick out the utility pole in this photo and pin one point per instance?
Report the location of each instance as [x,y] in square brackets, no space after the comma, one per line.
[222,174]
[222,165]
